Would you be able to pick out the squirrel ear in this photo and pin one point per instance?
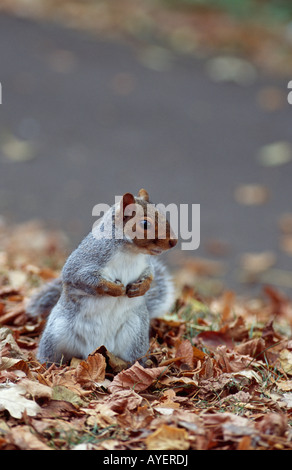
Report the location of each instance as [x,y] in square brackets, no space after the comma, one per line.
[143,194]
[127,199]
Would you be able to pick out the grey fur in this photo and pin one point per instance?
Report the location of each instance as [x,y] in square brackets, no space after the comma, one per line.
[45,299]
[159,297]
[80,320]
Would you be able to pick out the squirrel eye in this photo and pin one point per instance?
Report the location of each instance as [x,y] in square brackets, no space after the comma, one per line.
[145,224]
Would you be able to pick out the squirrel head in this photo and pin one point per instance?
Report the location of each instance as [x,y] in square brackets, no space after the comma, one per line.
[145,225]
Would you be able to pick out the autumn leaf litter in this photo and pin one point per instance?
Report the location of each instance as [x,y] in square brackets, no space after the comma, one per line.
[218,374]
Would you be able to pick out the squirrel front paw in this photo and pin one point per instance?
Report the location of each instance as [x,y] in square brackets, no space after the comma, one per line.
[139,287]
[114,289]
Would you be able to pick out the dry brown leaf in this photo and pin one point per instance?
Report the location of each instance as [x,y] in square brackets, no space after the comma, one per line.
[23,438]
[58,408]
[168,438]
[66,378]
[231,361]
[7,290]
[168,400]
[9,363]
[273,424]
[91,371]
[285,223]
[286,361]
[213,339]
[15,315]
[101,415]
[256,263]
[180,407]
[285,385]
[236,427]
[252,348]
[286,244]
[6,338]
[12,399]
[115,364]
[251,194]
[198,354]
[36,389]
[232,426]
[185,352]
[124,399]
[171,380]
[136,377]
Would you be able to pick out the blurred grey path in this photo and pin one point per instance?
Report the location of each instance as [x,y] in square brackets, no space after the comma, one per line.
[83,120]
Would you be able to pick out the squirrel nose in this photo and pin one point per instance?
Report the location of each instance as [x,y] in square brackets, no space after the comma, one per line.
[172,242]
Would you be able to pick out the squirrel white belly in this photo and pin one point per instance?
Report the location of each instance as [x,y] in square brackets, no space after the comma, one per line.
[109,288]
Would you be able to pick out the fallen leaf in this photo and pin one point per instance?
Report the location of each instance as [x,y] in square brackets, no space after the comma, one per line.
[285,385]
[285,223]
[121,400]
[252,348]
[25,439]
[249,374]
[286,244]
[185,352]
[12,400]
[114,363]
[198,354]
[273,424]
[58,408]
[15,315]
[101,415]
[9,363]
[251,194]
[62,393]
[231,361]
[214,386]
[169,399]
[16,278]
[171,380]
[168,438]
[91,371]
[244,443]
[286,361]
[287,398]
[255,263]
[136,377]
[237,426]
[212,339]
[164,411]
[36,389]
[7,339]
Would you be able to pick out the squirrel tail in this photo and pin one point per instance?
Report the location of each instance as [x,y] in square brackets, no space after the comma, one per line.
[45,299]
[161,295]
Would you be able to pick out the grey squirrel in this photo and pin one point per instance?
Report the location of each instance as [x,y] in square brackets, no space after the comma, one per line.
[110,287]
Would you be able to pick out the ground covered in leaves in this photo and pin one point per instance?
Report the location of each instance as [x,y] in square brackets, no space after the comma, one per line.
[259,31]
[218,373]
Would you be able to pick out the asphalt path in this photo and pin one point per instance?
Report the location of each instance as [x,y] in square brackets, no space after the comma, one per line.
[84,119]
